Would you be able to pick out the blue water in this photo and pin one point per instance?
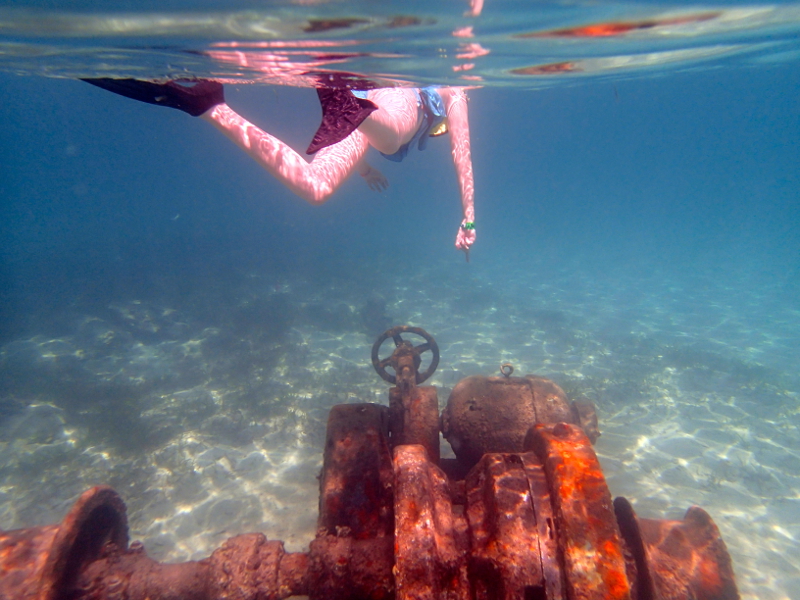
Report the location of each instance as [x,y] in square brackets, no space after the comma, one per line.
[164,302]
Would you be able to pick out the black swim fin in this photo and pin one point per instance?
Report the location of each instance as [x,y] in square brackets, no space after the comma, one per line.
[194,100]
[342,113]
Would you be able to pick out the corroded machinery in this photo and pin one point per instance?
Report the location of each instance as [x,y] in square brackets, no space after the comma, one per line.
[522,513]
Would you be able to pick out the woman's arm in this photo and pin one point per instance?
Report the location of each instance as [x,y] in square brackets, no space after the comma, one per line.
[455,101]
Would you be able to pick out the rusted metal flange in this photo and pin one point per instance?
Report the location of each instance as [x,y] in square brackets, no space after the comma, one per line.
[514,552]
[42,563]
[589,539]
[504,560]
[678,560]
[430,539]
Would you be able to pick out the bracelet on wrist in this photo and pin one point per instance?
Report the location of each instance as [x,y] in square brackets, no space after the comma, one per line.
[468,225]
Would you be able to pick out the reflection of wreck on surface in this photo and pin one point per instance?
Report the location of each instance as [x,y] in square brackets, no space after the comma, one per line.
[628,62]
[588,40]
[299,63]
[618,28]
[522,512]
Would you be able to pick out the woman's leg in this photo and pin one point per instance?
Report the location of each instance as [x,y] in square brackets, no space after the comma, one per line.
[314,181]
[396,120]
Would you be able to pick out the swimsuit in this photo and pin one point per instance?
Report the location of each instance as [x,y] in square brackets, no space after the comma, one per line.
[430,103]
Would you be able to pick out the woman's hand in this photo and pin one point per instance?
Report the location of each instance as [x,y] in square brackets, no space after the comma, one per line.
[466,236]
[375,179]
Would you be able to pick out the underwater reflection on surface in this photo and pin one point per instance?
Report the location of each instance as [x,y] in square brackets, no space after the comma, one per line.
[516,44]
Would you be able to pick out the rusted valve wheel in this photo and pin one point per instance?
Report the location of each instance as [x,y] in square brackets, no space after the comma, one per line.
[394,333]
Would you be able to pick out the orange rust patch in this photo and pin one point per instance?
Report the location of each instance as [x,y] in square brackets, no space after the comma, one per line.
[710,579]
[617,583]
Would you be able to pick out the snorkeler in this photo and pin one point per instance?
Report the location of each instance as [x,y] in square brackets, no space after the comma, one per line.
[391,120]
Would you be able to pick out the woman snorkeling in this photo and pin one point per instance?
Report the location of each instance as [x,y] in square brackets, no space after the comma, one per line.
[391,120]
